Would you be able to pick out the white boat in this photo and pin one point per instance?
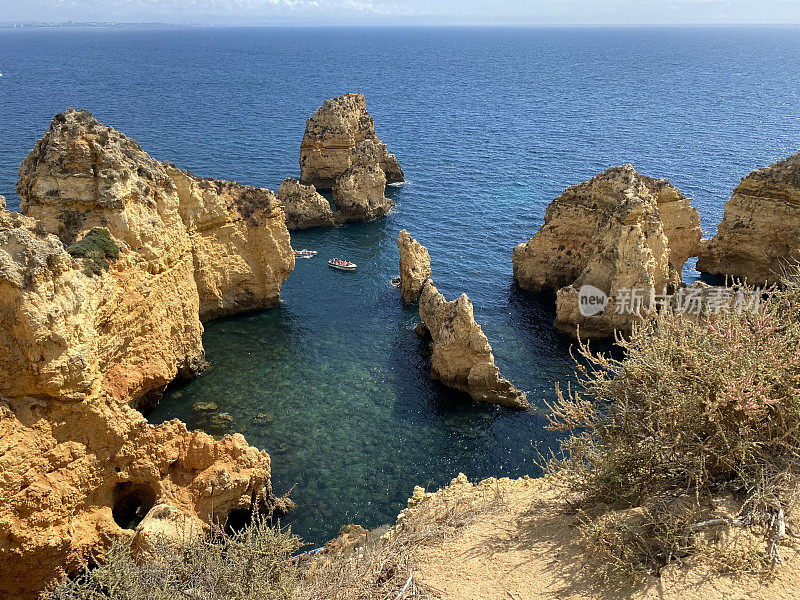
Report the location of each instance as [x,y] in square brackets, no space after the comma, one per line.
[342,265]
[305,253]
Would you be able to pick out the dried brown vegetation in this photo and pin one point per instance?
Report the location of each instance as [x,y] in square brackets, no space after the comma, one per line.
[251,564]
[696,428]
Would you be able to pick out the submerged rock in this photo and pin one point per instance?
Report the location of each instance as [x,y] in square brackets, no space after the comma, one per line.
[415,266]
[358,192]
[462,357]
[759,236]
[622,233]
[331,135]
[304,206]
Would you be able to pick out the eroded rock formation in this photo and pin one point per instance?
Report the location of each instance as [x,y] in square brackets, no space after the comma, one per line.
[415,266]
[358,192]
[760,233]
[190,249]
[621,232]
[462,357]
[240,244]
[104,280]
[77,473]
[331,135]
[304,206]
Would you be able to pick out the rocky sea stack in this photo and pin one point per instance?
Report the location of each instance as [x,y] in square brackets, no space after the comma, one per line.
[618,232]
[759,237]
[330,137]
[105,279]
[304,206]
[415,266]
[462,357]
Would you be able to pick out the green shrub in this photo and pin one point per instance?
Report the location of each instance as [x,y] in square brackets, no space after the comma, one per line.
[695,410]
[251,564]
[97,249]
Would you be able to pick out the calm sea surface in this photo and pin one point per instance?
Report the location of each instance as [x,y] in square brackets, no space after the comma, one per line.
[489,125]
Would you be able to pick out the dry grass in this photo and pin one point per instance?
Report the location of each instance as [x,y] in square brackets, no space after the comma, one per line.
[378,565]
[256,563]
[696,409]
[251,564]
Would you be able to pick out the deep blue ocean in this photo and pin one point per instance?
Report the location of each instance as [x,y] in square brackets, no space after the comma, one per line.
[489,125]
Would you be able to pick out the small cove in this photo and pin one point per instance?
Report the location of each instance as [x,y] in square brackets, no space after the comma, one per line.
[489,126]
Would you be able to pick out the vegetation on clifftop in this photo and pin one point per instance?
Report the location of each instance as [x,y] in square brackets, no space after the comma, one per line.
[250,564]
[696,429]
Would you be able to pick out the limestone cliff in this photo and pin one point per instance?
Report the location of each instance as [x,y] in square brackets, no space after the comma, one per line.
[65,334]
[612,233]
[240,244]
[332,133]
[190,249]
[760,232]
[358,192]
[415,266]
[304,206]
[75,474]
[104,280]
[462,357]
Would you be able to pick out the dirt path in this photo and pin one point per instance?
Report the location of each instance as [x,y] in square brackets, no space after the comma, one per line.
[526,548]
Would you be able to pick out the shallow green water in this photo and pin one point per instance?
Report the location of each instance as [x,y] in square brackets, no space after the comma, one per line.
[334,384]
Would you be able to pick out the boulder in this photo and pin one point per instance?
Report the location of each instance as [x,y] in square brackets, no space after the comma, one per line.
[759,236]
[331,135]
[415,266]
[462,357]
[304,206]
[610,233]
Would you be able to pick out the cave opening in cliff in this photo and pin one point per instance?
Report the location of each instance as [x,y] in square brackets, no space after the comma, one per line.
[132,503]
[238,519]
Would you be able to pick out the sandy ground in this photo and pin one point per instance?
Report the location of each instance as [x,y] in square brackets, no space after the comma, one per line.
[526,548]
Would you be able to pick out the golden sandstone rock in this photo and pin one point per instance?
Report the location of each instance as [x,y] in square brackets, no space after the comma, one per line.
[304,206]
[75,474]
[462,357]
[331,135]
[359,192]
[760,233]
[622,233]
[415,266]
[240,244]
[78,345]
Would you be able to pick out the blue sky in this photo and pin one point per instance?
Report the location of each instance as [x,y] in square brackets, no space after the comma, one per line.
[516,12]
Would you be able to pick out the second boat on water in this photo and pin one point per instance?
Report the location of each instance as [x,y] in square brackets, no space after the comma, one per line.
[342,265]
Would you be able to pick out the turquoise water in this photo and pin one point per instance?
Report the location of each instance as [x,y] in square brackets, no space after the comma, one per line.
[489,126]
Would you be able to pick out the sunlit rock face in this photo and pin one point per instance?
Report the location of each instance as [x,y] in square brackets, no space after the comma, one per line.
[415,266]
[76,475]
[462,357]
[304,206]
[105,278]
[332,133]
[617,232]
[190,249]
[759,237]
[359,192]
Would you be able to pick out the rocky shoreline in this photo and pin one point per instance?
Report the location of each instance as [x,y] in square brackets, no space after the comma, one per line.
[116,260]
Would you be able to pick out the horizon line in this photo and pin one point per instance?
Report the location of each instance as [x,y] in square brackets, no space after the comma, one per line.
[71,24]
